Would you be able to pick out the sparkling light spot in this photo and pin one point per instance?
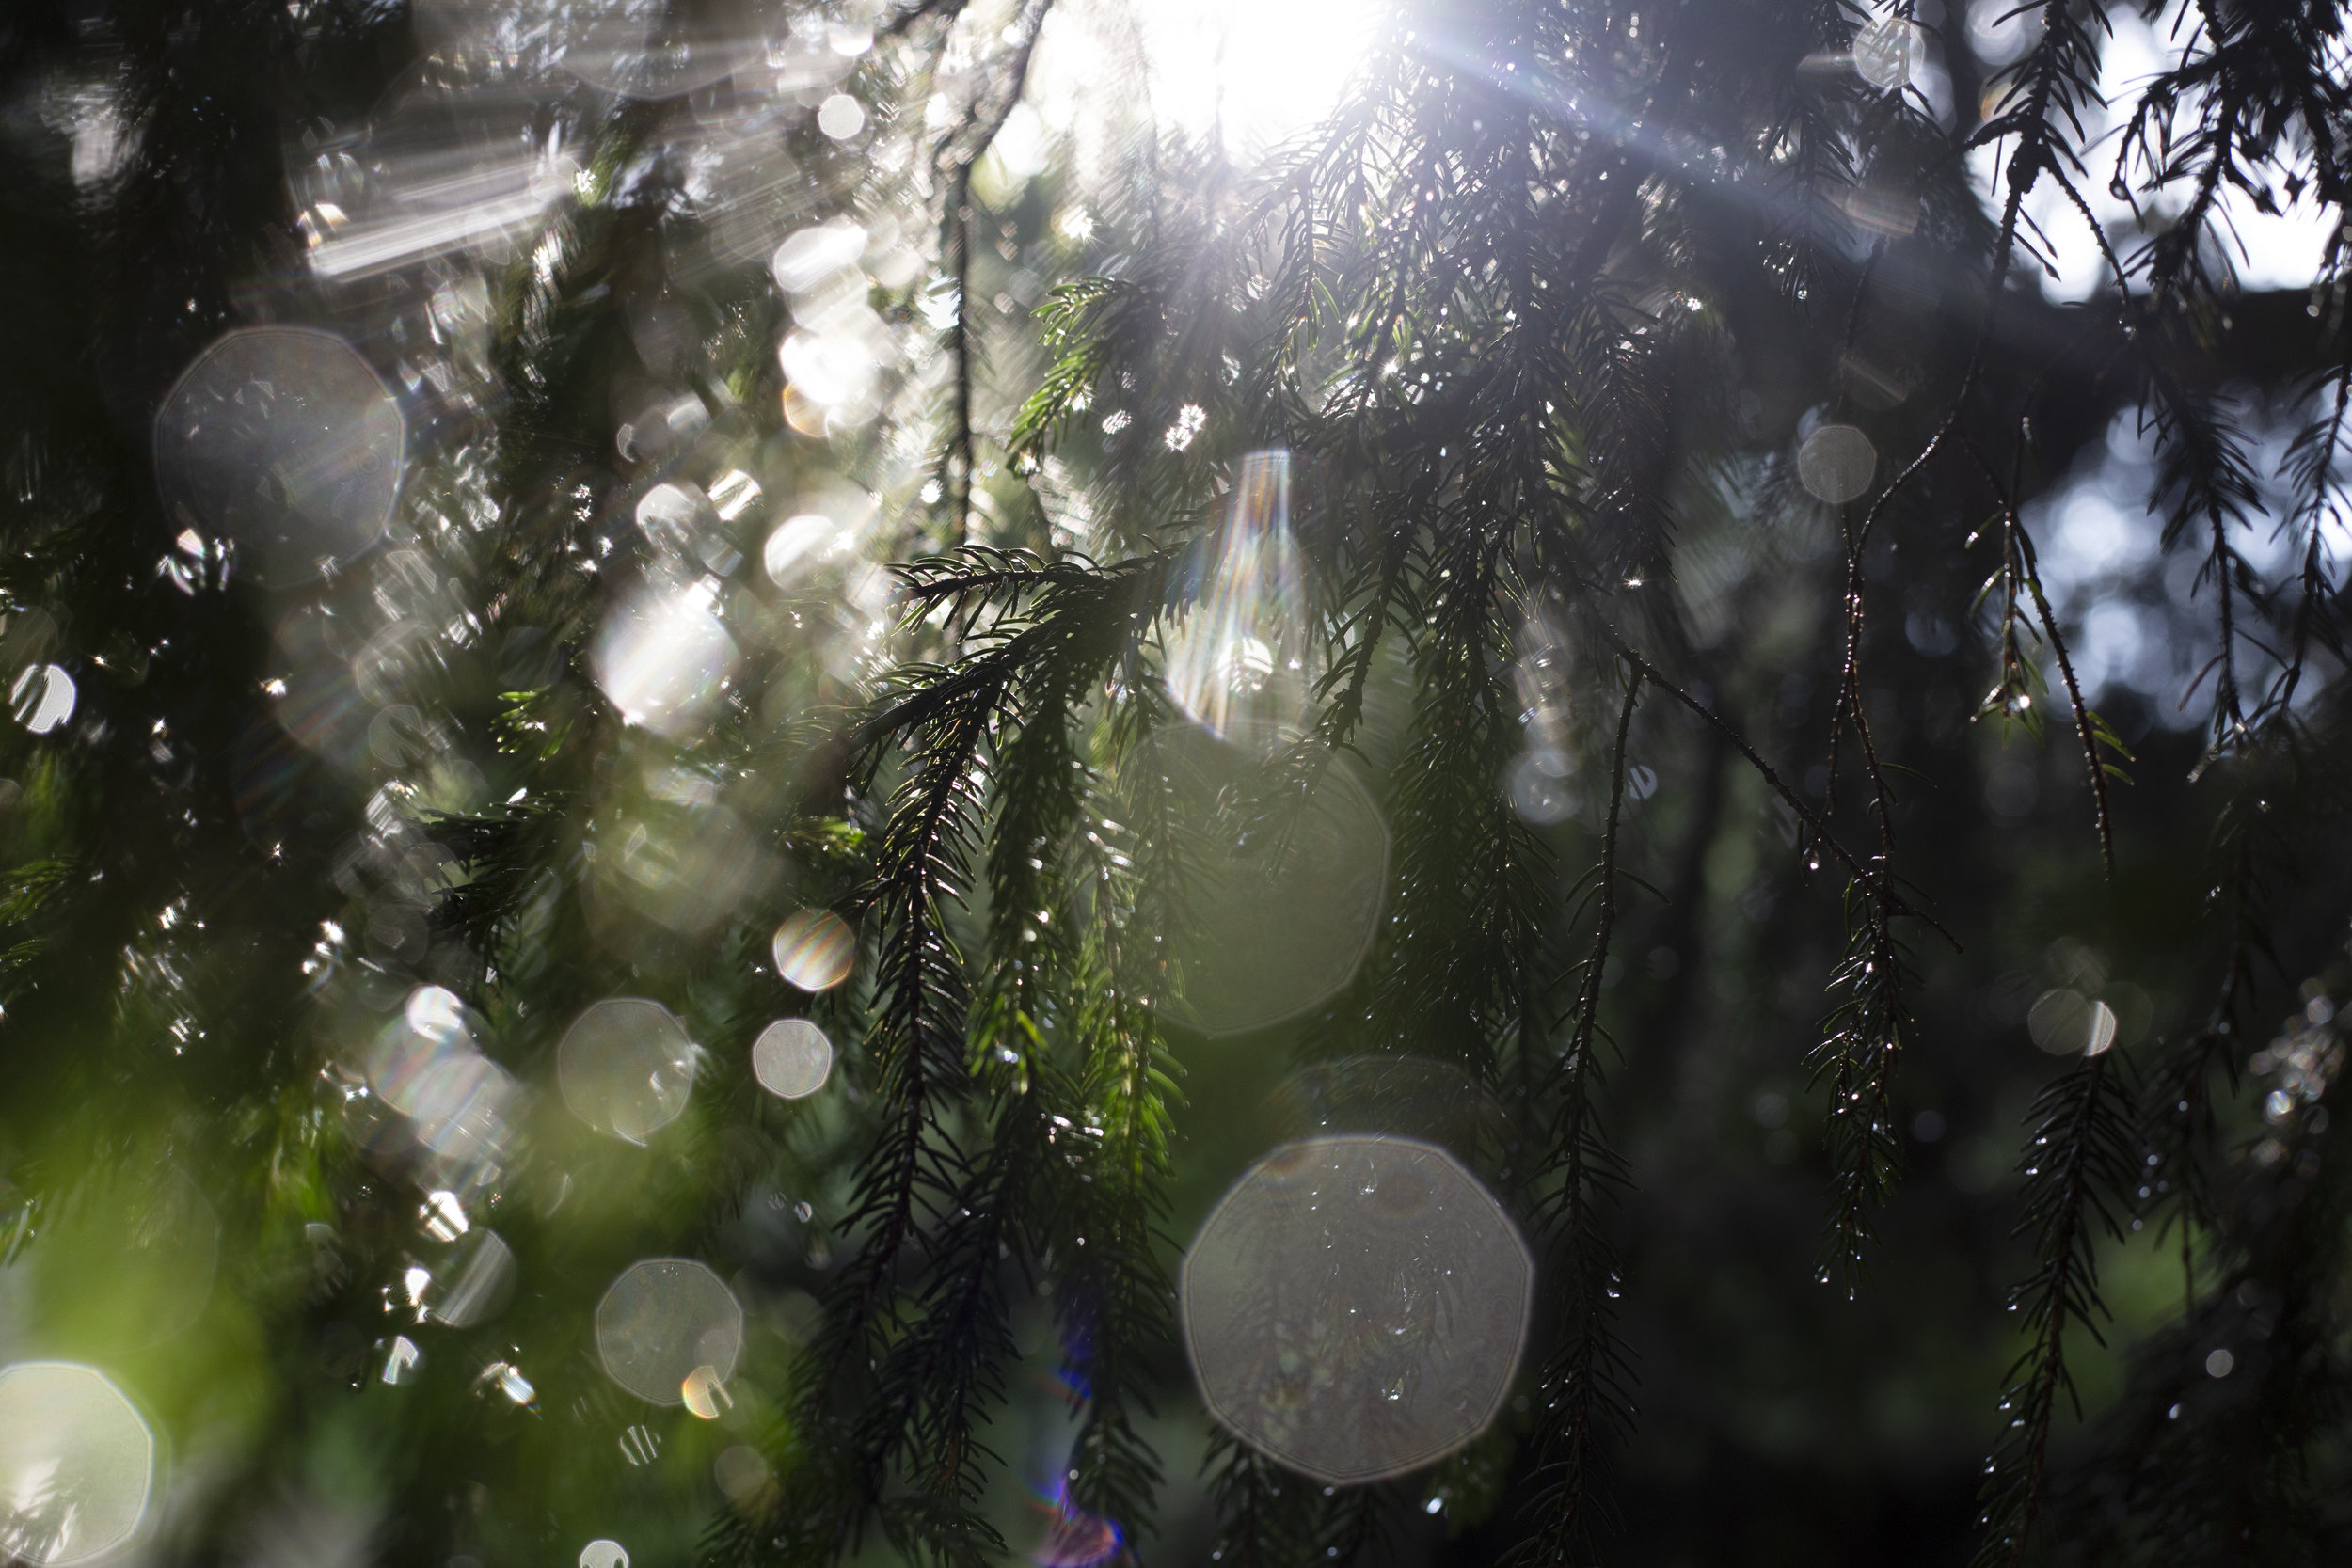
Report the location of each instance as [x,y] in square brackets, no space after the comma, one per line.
[672,518]
[841,116]
[799,545]
[733,494]
[1889,52]
[705,1393]
[662,659]
[42,698]
[811,257]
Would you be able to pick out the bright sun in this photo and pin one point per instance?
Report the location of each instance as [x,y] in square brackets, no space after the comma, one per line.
[1259,70]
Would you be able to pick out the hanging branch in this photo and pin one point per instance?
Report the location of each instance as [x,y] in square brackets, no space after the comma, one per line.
[917,1169]
[2050,84]
[1861,1049]
[1113,1297]
[2019,578]
[1863,1039]
[2249,858]
[974,137]
[1268,1517]
[2082,1152]
[2201,1467]
[928,1364]
[1583,1386]
[2312,461]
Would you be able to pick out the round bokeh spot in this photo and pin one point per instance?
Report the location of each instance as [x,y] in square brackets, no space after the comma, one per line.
[283,439]
[1289,866]
[663,657]
[625,1066]
[814,949]
[1355,1306]
[431,1026]
[42,698]
[1836,464]
[664,1320]
[77,1463]
[476,1283]
[792,1058]
[1889,52]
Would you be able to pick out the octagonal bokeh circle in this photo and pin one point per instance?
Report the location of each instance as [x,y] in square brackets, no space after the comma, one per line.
[78,1463]
[1286,864]
[663,1319]
[284,439]
[1356,1306]
[625,1066]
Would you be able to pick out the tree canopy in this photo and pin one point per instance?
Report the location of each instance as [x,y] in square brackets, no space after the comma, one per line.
[843,783]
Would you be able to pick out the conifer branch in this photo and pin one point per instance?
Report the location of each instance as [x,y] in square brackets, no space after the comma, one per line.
[960,222]
[2080,1159]
[1583,1388]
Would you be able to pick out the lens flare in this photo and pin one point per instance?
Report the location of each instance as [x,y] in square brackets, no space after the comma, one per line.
[800,545]
[2064,1023]
[1355,1308]
[644,49]
[460,1115]
[746,1478]
[841,116]
[450,167]
[674,518]
[812,256]
[663,658]
[317,702]
[1540,793]
[1075,1538]
[433,1024]
[453,1102]
[1239,653]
